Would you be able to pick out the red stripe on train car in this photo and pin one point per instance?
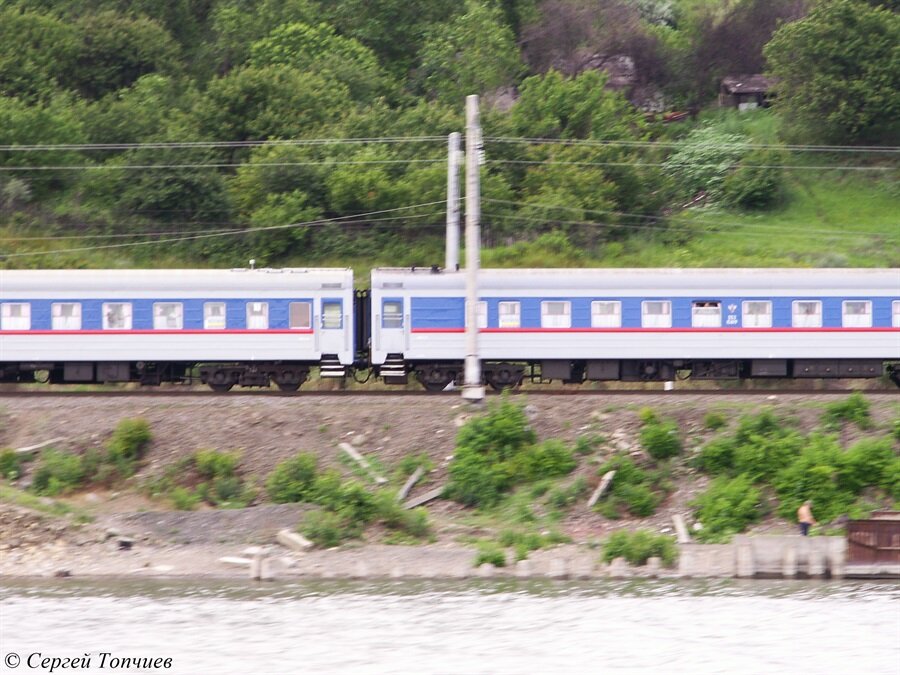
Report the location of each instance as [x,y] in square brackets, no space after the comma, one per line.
[166,331]
[662,330]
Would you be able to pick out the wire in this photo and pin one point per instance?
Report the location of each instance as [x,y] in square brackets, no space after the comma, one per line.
[692,164]
[217,144]
[676,227]
[699,221]
[890,149]
[236,228]
[312,223]
[216,165]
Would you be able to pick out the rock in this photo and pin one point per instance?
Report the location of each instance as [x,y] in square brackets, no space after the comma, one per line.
[60,574]
[293,541]
[531,411]
[358,440]
[486,570]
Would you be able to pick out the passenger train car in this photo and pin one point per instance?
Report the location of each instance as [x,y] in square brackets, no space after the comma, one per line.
[245,327]
[638,324]
[258,327]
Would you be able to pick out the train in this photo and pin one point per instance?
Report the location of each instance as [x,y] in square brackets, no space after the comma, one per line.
[262,327]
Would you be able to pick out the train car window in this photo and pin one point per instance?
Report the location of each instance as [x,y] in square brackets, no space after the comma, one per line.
[480,315]
[168,316]
[757,314]
[392,314]
[15,316]
[300,314]
[331,315]
[510,314]
[857,314]
[258,315]
[656,314]
[556,314]
[705,314]
[117,316]
[65,316]
[895,314]
[213,315]
[606,314]
[807,314]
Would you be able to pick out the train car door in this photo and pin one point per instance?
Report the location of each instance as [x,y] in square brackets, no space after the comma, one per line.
[332,325]
[391,324]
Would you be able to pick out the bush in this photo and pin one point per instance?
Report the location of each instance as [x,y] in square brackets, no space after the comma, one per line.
[293,479]
[489,552]
[58,472]
[854,409]
[564,497]
[870,462]
[639,546]
[212,464]
[327,529]
[759,448]
[817,473]
[714,421]
[10,464]
[546,460]
[128,443]
[183,499]
[410,463]
[726,508]
[757,182]
[660,439]
[634,489]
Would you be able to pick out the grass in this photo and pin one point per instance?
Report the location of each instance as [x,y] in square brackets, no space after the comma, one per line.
[51,507]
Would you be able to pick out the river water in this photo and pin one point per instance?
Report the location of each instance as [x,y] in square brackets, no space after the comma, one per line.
[487,626]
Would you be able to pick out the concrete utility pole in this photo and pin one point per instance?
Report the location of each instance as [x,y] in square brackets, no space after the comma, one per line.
[451,259]
[473,390]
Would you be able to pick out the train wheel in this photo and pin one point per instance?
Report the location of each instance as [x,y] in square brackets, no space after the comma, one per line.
[289,380]
[288,386]
[220,387]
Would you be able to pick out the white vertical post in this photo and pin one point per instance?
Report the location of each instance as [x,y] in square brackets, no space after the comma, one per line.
[451,259]
[473,390]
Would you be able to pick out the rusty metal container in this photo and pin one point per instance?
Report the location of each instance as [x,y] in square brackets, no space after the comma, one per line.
[876,540]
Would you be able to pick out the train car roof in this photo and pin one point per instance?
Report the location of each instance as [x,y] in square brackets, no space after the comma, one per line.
[637,280]
[263,279]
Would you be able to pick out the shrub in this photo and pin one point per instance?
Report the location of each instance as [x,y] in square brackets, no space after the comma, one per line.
[759,448]
[585,445]
[58,472]
[870,462]
[634,489]
[639,546]
[502,433]
[183,499]
[757,182]
[660,439]
[714,420]
[855,409]
[128,443]
[545,460]
[212,464]
[563,497]
[292,480]
[895,429]
[477,480]
[817,473]
[410,463]
[10,464]
[490,552]
[726,508]
[327,529]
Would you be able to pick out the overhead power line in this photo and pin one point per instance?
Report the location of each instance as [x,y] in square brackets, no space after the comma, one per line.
[216,165]
[877,149]
[672,219]
[41,147]
[694,164]
[210,235]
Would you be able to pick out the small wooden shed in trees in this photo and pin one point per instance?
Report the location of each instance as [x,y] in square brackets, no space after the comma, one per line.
[745,91]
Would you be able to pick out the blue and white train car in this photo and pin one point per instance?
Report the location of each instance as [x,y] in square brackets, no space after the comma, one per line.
[637,324]
[246,327]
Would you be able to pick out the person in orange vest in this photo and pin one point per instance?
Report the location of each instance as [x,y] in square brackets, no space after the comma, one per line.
[805,517]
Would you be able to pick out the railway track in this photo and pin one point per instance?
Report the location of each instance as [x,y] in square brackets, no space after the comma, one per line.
[345,393]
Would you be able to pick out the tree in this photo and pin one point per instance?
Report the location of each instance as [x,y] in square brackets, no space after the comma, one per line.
[839,73]
[320,50]
[273,102]
[474,54]
[115,50]
[34,49]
